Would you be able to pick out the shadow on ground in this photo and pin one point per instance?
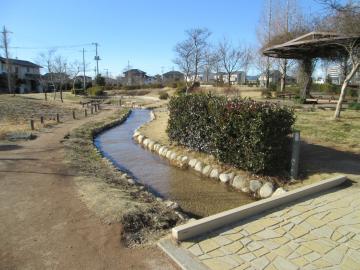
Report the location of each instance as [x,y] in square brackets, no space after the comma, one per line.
[321,159]
[9,147]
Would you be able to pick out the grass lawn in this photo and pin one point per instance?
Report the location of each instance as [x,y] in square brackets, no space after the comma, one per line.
[318,127]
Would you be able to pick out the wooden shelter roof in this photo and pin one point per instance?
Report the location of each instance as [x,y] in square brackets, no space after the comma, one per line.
[313,45]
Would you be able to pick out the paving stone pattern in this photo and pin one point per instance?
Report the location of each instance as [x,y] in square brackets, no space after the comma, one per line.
[316,233]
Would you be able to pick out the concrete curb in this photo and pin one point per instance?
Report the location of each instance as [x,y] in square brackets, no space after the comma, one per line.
[181,256]
[219,220]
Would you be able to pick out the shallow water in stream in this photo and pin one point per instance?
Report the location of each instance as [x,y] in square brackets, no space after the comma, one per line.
[196,195]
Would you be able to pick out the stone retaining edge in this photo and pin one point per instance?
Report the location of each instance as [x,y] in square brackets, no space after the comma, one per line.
[201,226]
[261,189]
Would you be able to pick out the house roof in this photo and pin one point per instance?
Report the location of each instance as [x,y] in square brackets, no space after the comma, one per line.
[173,72]
[134,70]
[20,62]
[313,45]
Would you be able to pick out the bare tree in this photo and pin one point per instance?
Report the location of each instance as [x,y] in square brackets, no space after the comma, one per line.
[344,19]
[264,34]
[198,38]
[60,74]
[353,6]
[231,58]
[46,60]
[184,60]
[191,53]
[353,49]
[5,40]
[247,58]
[73,71]
[210,60]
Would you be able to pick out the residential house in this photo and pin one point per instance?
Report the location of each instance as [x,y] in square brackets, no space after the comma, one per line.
[172,76]
[237,77]
[25,75]
[135,77]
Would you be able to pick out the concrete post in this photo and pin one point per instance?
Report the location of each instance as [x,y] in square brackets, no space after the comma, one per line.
[295,155]
[85,112]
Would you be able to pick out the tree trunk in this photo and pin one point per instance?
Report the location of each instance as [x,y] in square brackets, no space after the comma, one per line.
[61,96]
[283,76]
[229,76]
[307,69]
[267,82]
[343,90]
[61,93]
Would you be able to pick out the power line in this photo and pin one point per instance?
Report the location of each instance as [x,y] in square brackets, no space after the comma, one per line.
[52,47]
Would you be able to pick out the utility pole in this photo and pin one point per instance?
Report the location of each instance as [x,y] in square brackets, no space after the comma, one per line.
[97,58]
[8,67]
[107,75]
[83,51]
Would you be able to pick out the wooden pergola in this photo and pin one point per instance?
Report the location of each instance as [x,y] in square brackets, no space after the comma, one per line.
[323,45]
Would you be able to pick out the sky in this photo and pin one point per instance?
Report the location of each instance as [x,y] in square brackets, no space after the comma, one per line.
[143,33]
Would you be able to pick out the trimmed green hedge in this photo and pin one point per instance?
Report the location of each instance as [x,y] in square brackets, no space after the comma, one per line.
[250,135]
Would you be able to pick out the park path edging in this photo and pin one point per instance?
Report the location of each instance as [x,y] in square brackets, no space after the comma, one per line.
[201,226]
[183,258]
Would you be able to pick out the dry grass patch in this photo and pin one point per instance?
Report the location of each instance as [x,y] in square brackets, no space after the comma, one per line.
[16,112]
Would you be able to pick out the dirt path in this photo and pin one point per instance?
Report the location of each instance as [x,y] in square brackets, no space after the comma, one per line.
[43,222]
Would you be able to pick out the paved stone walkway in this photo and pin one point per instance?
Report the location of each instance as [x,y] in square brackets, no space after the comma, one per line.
[320,232]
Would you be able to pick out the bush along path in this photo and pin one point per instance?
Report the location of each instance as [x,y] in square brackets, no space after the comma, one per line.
[259,187]
[113,194]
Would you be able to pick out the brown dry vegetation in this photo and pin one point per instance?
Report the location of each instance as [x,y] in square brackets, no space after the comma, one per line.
[106,191]
[15,112]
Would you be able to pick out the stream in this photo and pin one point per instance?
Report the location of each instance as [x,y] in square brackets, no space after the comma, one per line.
[198,196]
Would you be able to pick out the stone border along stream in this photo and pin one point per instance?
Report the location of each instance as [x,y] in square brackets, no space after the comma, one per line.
[262,189]
[124,176]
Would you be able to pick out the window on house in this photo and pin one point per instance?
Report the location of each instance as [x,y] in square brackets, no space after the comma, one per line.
[27,69]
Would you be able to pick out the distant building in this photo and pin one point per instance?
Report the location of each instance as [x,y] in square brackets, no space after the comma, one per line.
[80,78]
[135,77]
[237,77]
[172,76]
[319,80]
[25,74]
[274,77]
[336,76]
[252,79]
